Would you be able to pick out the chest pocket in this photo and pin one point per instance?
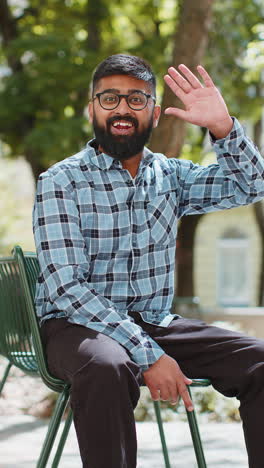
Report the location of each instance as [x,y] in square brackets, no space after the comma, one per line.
[162,218]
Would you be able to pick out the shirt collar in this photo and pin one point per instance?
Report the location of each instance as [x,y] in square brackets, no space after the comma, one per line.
[104,161]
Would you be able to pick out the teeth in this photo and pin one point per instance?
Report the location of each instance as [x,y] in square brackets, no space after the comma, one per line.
[122,124]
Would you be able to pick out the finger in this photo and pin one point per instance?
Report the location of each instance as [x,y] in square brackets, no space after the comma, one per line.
[180,80]
[183,391]
[190,76]
[187,380]
[174,395]
[206,78]
[174,87]
[182,114]
[155,394]
[175,401]
[165,394]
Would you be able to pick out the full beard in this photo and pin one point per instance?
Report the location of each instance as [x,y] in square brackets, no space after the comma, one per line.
[122,147]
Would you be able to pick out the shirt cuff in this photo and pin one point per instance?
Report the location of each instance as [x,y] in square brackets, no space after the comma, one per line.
[145,357]
[236,131]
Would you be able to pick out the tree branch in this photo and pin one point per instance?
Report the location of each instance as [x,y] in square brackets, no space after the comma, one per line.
[8,29]
[7,23]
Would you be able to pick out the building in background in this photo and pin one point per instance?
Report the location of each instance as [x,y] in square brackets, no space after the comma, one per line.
[227,259]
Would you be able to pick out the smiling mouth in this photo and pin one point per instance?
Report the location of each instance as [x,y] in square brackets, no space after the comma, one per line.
[122,127]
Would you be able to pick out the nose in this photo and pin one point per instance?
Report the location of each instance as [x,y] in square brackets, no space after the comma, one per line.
[123,105]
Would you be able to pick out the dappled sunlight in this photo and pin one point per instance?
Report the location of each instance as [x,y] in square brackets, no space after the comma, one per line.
[17,193]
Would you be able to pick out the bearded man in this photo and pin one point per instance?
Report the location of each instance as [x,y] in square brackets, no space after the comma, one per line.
[105,225]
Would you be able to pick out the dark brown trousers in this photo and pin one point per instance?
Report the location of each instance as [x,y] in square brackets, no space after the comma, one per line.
[105,382]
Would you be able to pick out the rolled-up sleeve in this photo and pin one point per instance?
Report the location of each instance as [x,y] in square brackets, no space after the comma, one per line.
[237,178]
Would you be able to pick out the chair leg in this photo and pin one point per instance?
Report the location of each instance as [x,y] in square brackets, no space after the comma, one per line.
[162,435]
[3,381]
[196,438]
[53,428]
[63,439]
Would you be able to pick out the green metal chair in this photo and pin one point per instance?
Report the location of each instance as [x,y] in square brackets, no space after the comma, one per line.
[29,271]
[20,341]
[15,336]
[26,270]
[193,426]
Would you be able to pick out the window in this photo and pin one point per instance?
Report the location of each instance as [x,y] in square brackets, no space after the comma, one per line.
[233,271]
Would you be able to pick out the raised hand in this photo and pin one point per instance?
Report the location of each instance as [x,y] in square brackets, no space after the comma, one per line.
[204,105]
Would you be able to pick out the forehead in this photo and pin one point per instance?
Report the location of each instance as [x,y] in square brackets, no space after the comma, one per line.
[122,84]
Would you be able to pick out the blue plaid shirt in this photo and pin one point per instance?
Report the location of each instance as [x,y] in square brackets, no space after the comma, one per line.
[106,242]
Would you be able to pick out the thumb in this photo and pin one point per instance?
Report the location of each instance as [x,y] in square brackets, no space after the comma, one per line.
[182,114]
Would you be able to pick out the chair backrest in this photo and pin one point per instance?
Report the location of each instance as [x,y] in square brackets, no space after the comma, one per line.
[29,271]
[15,331]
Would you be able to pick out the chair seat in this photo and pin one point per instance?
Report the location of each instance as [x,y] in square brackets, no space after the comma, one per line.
[201,383]
[21,344]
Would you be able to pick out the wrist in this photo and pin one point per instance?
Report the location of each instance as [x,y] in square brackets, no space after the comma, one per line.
[221,129]
[156,363]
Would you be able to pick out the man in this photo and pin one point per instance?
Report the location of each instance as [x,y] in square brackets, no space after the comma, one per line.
[105,224]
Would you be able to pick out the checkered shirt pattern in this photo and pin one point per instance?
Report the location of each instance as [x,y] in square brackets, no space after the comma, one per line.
[106,242]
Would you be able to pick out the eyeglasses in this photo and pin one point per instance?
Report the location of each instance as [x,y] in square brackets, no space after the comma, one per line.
[136,100]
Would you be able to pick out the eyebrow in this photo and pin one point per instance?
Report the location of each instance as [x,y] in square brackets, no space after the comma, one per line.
[114,90]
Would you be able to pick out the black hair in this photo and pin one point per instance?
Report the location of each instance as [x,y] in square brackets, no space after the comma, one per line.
[122,64]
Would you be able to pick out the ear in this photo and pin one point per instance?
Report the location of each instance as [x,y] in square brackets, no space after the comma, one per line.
[156,116]
[90,111]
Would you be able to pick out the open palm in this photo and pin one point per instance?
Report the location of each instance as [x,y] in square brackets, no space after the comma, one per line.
[204,105]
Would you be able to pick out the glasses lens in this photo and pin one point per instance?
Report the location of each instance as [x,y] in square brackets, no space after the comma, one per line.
[137,101]
[108,100]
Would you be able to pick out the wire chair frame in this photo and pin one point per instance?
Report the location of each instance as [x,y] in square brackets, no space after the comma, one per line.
[20,342]
[15,333]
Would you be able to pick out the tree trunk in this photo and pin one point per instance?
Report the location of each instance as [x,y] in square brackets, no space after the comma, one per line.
[259,215]
[8,28]
[36,167]
[185,256]
[189,47]
[94,13]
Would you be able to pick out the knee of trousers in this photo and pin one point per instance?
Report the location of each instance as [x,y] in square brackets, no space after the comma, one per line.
[252,380]
[104,377]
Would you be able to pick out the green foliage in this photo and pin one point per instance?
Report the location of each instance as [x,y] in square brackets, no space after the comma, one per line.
[235,26]
[254,59]
[209,405]
[55,70]
[55,50]
[214,406]
[58,44]
[234,59]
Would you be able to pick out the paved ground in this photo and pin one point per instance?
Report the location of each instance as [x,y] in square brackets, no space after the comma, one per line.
[21,437]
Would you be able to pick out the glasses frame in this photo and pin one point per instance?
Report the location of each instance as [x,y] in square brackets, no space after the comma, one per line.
[126,96]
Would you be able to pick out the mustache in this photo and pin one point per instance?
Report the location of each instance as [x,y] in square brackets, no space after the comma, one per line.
[126,118]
